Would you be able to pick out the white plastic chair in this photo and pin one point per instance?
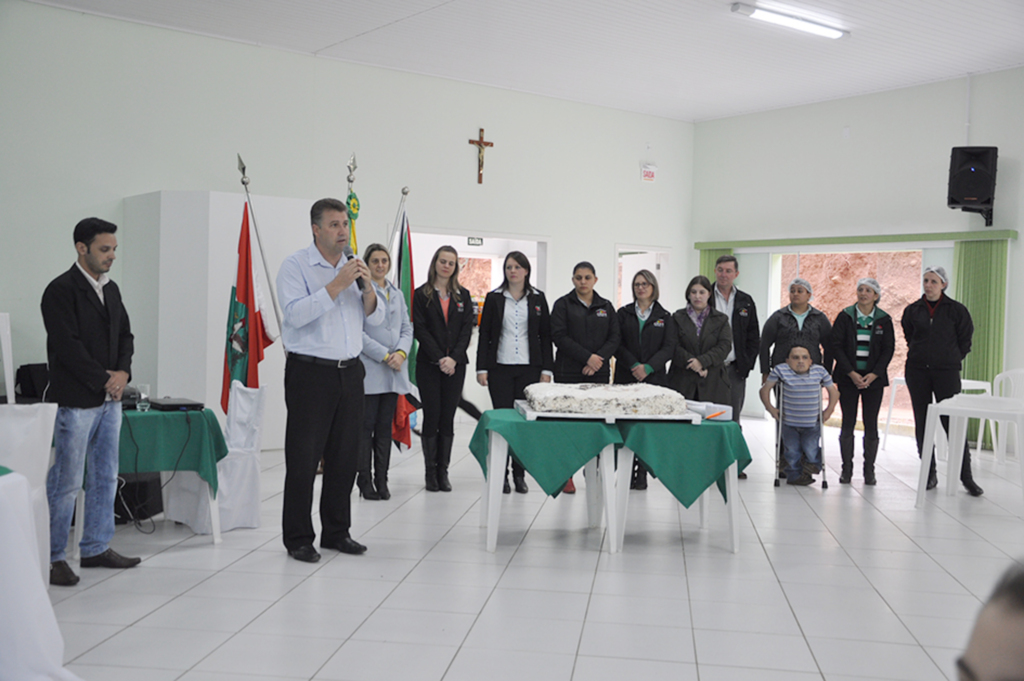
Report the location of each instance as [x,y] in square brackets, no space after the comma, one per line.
[1007,384]
[5,351]
[26,435]
[238,474]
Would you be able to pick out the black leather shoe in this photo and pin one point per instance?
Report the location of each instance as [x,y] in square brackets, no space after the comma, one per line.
[933,481]
[741,476]
[506,488]
[972,488]
[61,574]
[520,483]
[110,559]
[307,554]
[346,545]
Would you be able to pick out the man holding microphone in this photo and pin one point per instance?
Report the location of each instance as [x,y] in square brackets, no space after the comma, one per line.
[326,296]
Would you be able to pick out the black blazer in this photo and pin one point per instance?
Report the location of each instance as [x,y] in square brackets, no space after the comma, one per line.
[538,331]
[579,332]
[746,333]
[437,338]
[84,339]
[844,347]
[939,342]
[654,345]
[710,348]
[781,332]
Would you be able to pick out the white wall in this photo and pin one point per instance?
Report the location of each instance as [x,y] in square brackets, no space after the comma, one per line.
[875,164]
[95,110]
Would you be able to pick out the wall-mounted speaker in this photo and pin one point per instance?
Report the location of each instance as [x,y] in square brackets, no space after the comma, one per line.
[972,180]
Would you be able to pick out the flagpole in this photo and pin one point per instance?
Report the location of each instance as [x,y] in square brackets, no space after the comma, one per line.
[259,242]
[398,216]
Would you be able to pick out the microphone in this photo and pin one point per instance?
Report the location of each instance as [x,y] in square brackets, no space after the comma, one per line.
[349,254]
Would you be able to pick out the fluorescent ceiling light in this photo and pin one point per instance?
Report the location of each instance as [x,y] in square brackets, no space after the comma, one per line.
[788,21]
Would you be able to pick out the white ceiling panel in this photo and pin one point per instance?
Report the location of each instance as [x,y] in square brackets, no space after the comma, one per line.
[681,59]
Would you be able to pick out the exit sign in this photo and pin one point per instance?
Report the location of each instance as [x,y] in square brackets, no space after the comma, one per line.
[474,241]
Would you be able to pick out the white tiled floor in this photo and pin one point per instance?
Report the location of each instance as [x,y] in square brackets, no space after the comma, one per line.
[838,584]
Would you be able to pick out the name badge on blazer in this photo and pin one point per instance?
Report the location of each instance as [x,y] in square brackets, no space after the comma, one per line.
[602,312]
[879,331]
[660,323]
[536,310]
[461,306]
[744,313]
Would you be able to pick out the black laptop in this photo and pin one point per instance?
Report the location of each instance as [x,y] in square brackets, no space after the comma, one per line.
[175,404]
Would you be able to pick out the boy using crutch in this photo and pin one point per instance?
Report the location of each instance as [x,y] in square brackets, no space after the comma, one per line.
[801,416]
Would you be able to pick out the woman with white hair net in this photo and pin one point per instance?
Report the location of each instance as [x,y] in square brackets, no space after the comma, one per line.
[799,322]
[863,342]
[938,330]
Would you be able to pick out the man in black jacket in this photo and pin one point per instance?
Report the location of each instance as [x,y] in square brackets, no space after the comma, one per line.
[746,333]
[89,344]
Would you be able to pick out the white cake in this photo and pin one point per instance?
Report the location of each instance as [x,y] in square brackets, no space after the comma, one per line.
[602,399]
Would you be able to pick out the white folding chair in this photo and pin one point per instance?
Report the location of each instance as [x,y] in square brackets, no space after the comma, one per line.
[1007,384]
[26,435]
[238,474]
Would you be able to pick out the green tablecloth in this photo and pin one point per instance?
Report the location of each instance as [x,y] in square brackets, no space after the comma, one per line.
[155,441]
[4,470]
[687,458]
[550,449]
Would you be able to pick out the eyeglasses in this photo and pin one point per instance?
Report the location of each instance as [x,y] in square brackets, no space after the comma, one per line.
[641,284]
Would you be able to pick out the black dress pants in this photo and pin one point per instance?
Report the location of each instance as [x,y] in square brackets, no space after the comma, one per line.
[440,395]
[325,419]
[871,403]
[507,383]
[922,385]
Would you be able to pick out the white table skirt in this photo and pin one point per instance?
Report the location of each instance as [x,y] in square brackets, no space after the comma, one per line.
[31,645]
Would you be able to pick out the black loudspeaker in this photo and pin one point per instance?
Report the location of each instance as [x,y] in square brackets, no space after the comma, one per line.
[139,498]
[972,180]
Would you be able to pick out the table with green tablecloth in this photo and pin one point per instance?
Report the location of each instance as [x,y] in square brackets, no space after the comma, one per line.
[552,450]
[687,458]
[154,441]
[161,441]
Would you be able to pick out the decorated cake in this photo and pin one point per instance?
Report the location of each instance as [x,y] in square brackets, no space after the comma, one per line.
[603,399]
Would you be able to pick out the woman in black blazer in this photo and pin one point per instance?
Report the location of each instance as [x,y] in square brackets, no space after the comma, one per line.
[648,339]
[442,316]
[705,339]
[514,349]
[863,342]
[585,330]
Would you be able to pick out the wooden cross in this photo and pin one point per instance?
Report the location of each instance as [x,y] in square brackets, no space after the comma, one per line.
[480,144]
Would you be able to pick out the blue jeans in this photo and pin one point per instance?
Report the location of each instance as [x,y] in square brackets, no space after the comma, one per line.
[796,441]
[84,436]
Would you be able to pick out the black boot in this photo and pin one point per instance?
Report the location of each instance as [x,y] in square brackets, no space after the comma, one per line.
[639,476]
[430,462]
[519,477]
[870,453]
[363,480]
[506,488]
[444,457]
[365,485]
[967,477]
[381,462]
[933,478]
[846,451]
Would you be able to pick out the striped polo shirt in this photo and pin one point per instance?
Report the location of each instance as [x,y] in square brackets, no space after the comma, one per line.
[801,394]
[864,324]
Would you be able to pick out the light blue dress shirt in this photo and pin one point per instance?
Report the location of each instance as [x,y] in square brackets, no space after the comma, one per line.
[314,324]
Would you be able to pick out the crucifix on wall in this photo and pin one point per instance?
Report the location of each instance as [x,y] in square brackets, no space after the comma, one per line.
[480,144]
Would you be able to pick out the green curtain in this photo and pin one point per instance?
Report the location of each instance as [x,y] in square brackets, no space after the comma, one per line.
[708,256]
[980,284]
